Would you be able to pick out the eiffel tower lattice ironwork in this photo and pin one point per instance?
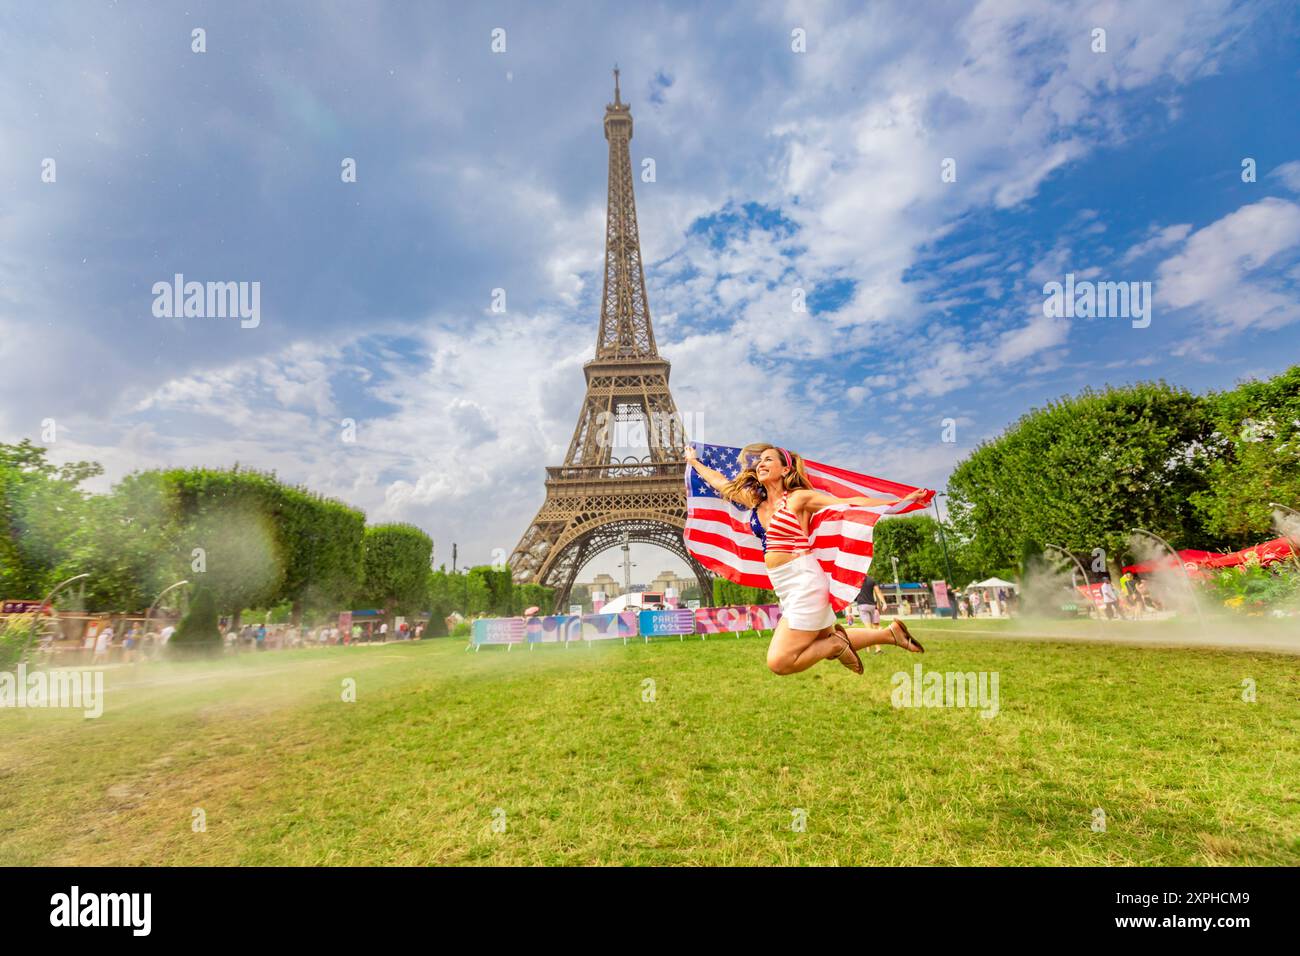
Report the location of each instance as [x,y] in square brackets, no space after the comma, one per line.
[596,499]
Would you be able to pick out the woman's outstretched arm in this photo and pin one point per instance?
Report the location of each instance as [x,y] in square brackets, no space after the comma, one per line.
[810,501]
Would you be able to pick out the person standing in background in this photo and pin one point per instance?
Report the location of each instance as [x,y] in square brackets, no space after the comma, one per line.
[1109,599]
[102,644]
[869,601]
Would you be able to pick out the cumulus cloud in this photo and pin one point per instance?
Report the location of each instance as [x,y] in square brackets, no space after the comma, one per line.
[1225,272]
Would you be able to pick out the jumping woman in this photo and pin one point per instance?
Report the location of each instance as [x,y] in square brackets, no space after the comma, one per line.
[773,484]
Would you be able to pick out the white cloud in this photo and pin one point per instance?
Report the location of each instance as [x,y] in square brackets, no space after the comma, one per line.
[1159,239]
[1289,173]
[1220,271]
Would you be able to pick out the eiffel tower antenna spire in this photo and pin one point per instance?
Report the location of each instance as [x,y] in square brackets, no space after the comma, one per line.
[596,497]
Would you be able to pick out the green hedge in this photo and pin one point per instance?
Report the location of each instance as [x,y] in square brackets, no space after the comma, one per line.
[726,593]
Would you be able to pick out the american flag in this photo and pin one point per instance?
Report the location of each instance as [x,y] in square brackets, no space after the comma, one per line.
[718,534]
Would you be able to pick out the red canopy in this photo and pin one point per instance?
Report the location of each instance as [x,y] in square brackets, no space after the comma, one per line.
[1279,549]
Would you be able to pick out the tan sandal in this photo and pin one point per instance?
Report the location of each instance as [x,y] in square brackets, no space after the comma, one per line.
[908,642]
[853,662]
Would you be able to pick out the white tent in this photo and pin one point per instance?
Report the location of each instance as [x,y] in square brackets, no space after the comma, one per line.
[994,583]
[624,602]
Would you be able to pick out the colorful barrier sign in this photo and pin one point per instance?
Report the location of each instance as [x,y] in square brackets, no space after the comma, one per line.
[565,628]
[498,630]
[722,620]
[663,623]
[555,629]
[763,617]
[608,627]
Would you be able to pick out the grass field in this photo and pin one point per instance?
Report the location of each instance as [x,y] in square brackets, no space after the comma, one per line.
[561,746]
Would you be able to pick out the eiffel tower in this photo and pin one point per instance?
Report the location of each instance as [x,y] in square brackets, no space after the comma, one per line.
[597,500]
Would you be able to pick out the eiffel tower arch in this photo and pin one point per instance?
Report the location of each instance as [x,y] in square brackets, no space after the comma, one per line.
[597,497]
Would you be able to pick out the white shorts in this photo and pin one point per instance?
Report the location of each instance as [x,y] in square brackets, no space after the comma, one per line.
[804,591]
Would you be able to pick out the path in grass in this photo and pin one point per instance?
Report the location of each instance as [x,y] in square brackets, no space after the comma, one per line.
[568,751]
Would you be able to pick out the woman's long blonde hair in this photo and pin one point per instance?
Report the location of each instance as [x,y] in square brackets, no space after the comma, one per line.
[746,489]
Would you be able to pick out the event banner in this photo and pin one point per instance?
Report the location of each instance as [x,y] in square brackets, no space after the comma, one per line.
[606,627]
[499,630]
[763,617]
[721,620]
[940,593]
[663,623]
[565,628]
[555,629]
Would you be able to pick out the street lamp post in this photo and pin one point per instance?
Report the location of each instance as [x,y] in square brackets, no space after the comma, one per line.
[947,568]
[627,563]
[898,588]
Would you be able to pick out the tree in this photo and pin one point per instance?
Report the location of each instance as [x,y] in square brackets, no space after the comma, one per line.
[41,506]
[534,595]
[1256,440]
[229,535]
[321,540]
[728,593]
[446,595]
[490,591]
[395,567]
[198,630]
[1084,471]
[129,544]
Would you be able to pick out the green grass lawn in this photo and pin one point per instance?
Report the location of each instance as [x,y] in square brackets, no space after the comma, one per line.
[562,747]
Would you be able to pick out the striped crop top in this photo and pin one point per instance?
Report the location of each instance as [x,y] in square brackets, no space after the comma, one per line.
[784,532]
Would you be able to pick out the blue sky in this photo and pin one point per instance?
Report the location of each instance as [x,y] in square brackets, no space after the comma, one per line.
[774,170]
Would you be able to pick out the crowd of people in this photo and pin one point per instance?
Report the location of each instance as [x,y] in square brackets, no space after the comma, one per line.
[1131,601]
[973,602]
[280,636]
[128,641]
[993,602]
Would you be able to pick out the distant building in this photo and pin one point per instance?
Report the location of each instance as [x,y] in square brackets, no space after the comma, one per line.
[605,583]
[668,579]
